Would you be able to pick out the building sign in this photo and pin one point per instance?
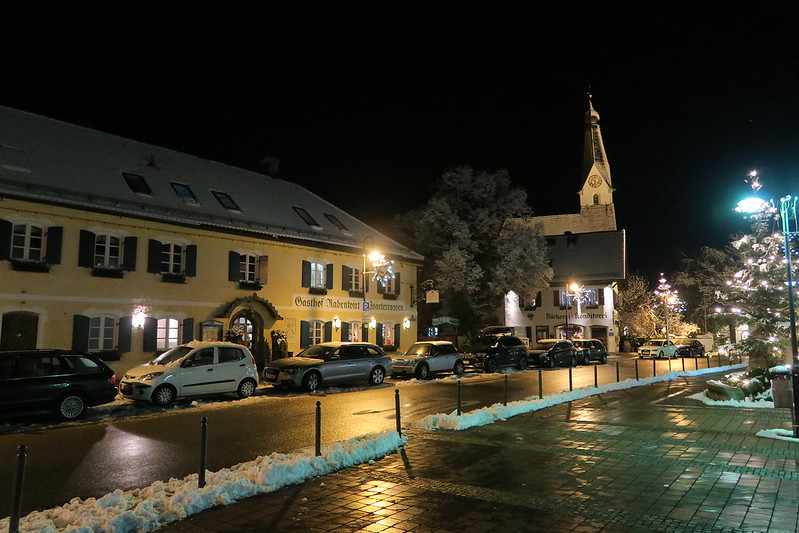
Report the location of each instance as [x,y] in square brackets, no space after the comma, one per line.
[345,304]
[580,316]
[431,297]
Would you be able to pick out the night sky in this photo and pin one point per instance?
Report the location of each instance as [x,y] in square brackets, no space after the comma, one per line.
[367,104]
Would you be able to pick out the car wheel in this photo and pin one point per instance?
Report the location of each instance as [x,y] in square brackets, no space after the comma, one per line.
[573,361]
[604,358]
[377,375]
[310,381]
[522,362]
[246,388]
[422,371]
[71,406]
[458,370]
[490,365]
[164,396]
[551,362]
[660,355]
[586,360]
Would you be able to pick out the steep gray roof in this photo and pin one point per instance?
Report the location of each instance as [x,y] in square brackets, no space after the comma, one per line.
[50,161]
[588,257]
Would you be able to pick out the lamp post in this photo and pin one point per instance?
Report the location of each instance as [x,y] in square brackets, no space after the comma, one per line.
[574,288]
[373,257]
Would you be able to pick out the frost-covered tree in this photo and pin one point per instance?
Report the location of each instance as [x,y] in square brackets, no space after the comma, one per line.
[475,252]
[700,281]
[634,307]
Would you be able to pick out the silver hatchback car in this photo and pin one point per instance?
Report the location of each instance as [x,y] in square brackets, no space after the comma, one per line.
[329,363]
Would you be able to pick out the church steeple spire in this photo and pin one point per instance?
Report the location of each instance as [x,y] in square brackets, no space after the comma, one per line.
[594,158]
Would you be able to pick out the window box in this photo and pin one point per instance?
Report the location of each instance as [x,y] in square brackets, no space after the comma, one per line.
[356,294]
[317,290]
[173,278]
[387,296]
[29,266]
[250,285]
[108,272]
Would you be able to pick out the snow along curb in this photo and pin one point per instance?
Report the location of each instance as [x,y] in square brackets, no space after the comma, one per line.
[149,508]
[496,412]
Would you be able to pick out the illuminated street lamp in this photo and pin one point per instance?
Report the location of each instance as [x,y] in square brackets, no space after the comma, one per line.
[790,228]
[577,292]
[381,271]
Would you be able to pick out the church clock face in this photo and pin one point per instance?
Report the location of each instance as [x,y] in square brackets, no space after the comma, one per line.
[595,180]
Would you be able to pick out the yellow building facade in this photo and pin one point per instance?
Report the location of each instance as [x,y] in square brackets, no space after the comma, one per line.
[126,249]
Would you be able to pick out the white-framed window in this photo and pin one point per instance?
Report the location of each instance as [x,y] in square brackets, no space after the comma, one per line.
[388,334]
[102,333]
[355,279]
[318,275]
[389,285]
[246,327]
[317,331]
[167,333]
[172,258]
[249,268]
[27,242]
[106,250]
[355,332]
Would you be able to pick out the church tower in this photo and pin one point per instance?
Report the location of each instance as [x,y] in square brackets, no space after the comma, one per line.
[596,196]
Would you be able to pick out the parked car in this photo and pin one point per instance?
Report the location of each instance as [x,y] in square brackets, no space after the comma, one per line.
[550,353]
[329,363]
[428,357]
[195,369]
[489,352]
[592,350]
[659,348]
[53,381]
[691,349]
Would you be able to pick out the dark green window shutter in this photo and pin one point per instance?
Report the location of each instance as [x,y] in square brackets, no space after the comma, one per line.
[397,329]
[556,299]
[306,273]
[86,249]
[124,334]
[329,276]
[263,269]
[346,278]
[600,296]
[5,239]
[328,331]
[150,336]
[380,288]
[80,333]
[345,331]
[53,253]
[154,249]
[305,334]
[233,266]
[191,260]
[129,252]
[379,334]
[188,330]
[397,283]
[365,332]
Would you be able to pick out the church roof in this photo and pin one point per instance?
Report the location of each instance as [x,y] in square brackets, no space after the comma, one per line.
[49,161]
[594,147]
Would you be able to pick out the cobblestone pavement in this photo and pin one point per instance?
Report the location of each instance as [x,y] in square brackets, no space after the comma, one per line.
[645,459]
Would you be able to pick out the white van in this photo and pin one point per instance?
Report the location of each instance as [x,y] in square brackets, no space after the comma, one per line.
[193,369]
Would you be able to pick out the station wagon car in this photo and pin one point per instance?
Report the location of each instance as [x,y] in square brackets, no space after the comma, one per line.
[659,348]
[329,363]
[592,350]
[428,357]
[549,353]
[489,352]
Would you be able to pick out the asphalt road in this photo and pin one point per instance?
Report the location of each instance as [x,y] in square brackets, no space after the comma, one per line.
[95,458]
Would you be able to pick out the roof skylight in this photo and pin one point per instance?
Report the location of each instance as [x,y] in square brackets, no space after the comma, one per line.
[306,216]
[137,184]
[226,201]
[336,222]
[185,193]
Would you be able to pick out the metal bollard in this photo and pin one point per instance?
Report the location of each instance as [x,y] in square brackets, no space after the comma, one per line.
[397,409]
[571,388]
[618,376]
[696,363]
[459,398]
[505,402]
[636,369]
[203,450]
[707,359]
[719,356]
[683,364]
[16,503]
[654,367]
[596,382]
[318,428]
[669,364]
[540,385]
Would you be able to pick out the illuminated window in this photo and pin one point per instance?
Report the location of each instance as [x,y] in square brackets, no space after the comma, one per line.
[167,333]
[317,331]
[388,334]
[318,275]
[355,332]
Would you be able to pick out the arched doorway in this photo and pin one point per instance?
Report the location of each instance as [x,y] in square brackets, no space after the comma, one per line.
[18,330]
[252,326]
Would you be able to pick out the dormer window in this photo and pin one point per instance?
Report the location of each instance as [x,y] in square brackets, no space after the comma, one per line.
[137,184]
[336,222]
[225,200]
[306,217]
[185,193]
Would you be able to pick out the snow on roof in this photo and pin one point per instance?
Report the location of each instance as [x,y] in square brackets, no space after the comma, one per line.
[50,161]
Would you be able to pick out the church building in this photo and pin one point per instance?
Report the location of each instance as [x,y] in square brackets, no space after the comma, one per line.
[587,253]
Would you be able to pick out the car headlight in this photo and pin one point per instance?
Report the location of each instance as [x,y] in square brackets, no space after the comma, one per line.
[152,375]
[290,371]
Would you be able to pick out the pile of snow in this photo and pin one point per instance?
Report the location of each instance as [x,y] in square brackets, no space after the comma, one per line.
[149,508]
[747,402]
[488,415]
[779,434]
